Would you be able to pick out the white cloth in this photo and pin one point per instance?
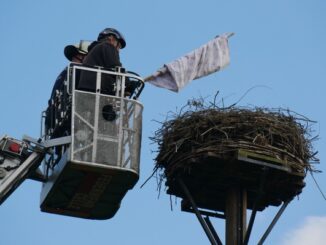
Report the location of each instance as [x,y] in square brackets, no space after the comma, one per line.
[209,58]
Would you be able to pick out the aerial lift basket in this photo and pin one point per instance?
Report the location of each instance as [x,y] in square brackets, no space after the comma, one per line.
[89,176]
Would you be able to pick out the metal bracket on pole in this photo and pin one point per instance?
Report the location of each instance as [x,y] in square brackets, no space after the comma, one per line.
[188,208]
[250,225]
[208,228]
[210,225]
[270,227]
[254,210]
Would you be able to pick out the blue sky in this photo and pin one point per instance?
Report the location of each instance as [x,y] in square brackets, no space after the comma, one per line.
[278,50]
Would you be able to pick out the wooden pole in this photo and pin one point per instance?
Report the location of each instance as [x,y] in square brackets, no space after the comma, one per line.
[236,215]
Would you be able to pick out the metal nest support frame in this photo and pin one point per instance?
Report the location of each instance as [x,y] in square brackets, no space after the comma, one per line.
[237,231]
[205,222]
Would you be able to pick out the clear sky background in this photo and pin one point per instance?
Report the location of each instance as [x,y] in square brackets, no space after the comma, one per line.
[279,50]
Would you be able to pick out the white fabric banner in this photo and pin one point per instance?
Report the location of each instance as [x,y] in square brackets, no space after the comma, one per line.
[209,58]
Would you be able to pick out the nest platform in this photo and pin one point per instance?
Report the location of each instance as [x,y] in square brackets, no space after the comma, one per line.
[267,181]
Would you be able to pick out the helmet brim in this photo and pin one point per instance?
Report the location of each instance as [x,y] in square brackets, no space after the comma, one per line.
[123,43]
[70,51]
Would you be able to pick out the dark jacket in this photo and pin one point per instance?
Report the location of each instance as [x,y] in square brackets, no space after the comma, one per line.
[53,112]
[105,55]
[58,84]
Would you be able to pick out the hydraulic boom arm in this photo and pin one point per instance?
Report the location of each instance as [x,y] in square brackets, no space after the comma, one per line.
[18,160]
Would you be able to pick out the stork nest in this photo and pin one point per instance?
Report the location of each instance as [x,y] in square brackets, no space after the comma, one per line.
[198,129]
